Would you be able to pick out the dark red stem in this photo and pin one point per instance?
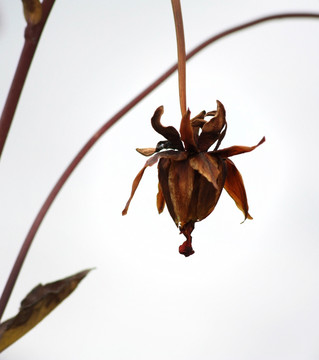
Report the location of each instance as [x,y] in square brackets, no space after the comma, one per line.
[45,207]
[32,36]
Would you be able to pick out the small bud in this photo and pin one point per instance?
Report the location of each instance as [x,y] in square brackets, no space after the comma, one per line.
[32,10]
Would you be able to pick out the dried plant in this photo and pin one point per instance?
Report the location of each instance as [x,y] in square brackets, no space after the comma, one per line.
[191,177]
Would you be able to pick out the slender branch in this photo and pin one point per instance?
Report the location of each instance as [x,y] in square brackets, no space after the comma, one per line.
[48,202]
[181,54]
[32,36]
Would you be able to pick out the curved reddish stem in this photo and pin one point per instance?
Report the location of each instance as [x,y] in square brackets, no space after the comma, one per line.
[48,202]
[32,36]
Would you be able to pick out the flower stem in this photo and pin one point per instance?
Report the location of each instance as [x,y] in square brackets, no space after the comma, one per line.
[54,192]
[32,36]
[181,54]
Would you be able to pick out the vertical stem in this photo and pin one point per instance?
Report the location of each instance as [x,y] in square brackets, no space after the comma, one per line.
[32,37]
[181,55]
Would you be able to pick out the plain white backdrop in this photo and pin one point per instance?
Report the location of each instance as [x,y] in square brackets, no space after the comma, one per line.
[251,290]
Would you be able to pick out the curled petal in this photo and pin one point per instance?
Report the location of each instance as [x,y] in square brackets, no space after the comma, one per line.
[218,121]
[197,123]
[169,132]
[212,128]
[146,151]
[234,185]
[207,166]
[221,137]
[176,155]
[187,132]
[160,201]
[198,120]
[236,150]
[134,187]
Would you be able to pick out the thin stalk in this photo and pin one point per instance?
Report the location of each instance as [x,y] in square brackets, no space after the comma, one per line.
[54,192]
[32,36]
[181,53]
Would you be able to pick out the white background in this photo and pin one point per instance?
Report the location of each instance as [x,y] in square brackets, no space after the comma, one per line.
[251,290]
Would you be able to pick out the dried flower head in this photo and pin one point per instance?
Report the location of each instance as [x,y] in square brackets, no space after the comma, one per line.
[191,178]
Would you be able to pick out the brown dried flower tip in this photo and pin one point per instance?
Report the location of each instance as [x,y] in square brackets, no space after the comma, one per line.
[191,178]
[32,10]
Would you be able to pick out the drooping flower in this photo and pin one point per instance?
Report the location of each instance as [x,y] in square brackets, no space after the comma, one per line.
[191,178]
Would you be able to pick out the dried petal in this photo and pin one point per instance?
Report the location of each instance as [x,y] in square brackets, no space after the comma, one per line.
[221,137]
[198,120]
[197,123]
[180,182]
[234,185]
[211,130]
[160,201]
[169,132]
[134,187]
[176,155]
[146,151]
[208,195]
[187,132]
[163,171]
[207,166]
[236,150]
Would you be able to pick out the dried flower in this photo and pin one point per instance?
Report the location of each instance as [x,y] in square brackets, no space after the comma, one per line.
[191,178]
